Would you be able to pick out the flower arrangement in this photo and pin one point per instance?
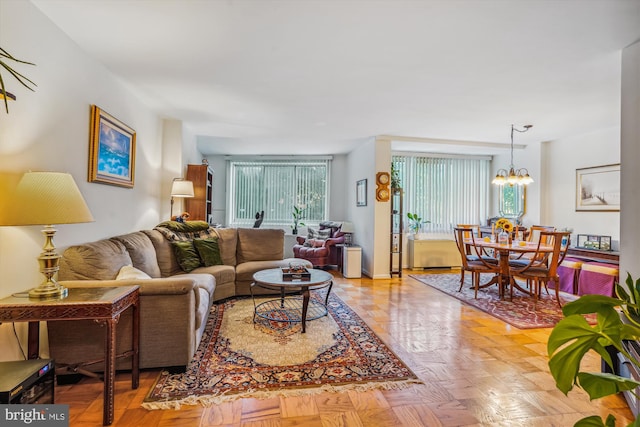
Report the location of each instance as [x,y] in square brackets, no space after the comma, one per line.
[503,224]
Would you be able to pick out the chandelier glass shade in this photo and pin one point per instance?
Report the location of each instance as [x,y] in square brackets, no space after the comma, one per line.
[513,176]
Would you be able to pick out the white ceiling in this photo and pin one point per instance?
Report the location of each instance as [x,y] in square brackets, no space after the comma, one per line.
[320,77]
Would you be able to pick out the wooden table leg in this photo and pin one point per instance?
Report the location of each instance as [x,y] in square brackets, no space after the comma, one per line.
[503,254]
[109,371]
[305,306]
[135,345]
[33,341]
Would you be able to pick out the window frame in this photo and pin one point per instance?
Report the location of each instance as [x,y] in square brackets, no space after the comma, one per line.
[231,161]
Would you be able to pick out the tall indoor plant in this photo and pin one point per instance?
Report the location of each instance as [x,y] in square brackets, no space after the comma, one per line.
[297,216]
[24,81]
[573,337]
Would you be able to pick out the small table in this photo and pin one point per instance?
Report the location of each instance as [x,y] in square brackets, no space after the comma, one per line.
[290,308]
[100,304]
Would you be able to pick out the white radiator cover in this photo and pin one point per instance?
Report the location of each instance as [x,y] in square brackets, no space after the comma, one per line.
[433,253]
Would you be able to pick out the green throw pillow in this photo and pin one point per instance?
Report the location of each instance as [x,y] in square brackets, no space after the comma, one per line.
[209,251]
[189,226]
[186,255]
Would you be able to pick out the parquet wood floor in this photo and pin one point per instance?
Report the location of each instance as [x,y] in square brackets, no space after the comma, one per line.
[477,370]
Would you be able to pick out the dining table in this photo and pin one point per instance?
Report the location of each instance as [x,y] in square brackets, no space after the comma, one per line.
[504,252]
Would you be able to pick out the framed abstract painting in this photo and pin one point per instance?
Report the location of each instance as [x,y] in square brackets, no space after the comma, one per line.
[112,150]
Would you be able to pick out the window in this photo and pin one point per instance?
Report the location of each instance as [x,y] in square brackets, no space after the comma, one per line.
[275,186]
[445,191]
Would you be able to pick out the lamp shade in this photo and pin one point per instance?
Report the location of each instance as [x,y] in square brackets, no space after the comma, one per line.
[347,227]
[181,188]
[46,198]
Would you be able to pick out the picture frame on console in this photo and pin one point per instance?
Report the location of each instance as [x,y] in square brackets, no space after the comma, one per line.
[361,192]
[112,150]
[598,188]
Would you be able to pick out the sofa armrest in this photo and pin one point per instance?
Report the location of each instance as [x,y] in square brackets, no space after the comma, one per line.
[332,241]
[164,286]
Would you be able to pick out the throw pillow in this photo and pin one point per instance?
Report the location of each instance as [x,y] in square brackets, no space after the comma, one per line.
[129,272]
[186,255]
[318,234]
[185,227]
[208,250]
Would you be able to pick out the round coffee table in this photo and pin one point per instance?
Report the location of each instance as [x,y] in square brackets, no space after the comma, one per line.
[291,307]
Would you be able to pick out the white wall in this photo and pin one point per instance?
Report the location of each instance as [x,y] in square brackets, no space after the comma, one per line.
[48,130]
[562,158]
[630,159]
[361,164]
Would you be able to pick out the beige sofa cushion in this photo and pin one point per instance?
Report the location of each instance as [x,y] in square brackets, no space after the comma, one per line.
[227,241]
[164,254]
[141,251]
[101,260]
[257,244]
[222,273]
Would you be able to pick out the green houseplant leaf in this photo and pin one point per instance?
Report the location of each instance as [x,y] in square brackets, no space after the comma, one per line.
[24,81]
[573,337]
[596,421]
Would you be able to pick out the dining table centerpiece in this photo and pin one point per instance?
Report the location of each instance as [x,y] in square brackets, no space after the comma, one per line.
[504,228]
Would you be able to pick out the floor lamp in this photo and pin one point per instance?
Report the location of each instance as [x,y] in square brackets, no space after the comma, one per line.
[46,198]
[180,188]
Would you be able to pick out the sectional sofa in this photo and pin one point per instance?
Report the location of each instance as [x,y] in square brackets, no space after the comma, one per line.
[174,304]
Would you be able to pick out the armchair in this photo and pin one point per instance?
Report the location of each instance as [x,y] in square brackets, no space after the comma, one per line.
[319,247]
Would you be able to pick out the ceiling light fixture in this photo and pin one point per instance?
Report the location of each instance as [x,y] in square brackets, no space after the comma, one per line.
[513,176]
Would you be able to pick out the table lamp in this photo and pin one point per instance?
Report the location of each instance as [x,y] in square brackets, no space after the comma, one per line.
[348,230]
[180,188]
[47,198]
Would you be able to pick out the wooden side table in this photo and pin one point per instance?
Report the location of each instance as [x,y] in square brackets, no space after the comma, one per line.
[100,304]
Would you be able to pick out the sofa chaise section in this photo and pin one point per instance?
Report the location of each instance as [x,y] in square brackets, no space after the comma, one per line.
[173,310]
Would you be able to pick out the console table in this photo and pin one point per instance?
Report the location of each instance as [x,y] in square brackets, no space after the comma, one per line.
[99,304]
[609,257]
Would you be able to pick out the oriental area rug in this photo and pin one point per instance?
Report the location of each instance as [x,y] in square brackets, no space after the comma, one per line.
[519,312]
[238,358]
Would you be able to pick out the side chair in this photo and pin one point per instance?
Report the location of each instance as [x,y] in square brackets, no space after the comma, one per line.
[473,261]
[542,266]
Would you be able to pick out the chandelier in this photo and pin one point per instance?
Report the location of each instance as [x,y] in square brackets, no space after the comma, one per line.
[513,176]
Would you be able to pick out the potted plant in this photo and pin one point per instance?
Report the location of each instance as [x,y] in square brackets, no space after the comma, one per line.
[415,223]
[395,178]
[573,337]
[24,81]
[297,216]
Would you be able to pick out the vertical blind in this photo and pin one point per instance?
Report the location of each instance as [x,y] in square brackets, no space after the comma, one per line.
[275,187]
[445,191]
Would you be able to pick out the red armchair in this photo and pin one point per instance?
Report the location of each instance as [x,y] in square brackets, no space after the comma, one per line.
[319,245]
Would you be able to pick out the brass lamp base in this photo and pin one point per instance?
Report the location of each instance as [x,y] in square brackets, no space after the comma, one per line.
[49,266]
[49,291]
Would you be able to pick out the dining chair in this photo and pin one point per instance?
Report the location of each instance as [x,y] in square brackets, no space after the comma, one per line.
[473,259]
[533,235]
[535,230]
[542,266]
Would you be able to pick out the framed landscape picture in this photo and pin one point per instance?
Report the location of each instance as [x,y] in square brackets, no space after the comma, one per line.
[112,150]
[598,188]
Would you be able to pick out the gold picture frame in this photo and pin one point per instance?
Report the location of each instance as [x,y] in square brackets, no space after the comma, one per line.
[112,150]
